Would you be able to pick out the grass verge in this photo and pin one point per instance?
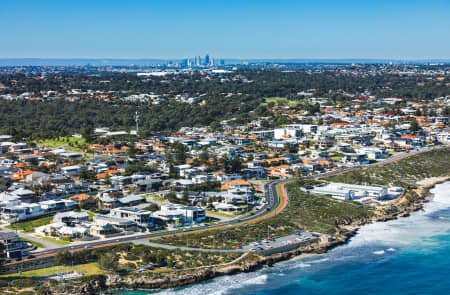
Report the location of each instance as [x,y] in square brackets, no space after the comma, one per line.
[56,241]
[37,244]
[87,269]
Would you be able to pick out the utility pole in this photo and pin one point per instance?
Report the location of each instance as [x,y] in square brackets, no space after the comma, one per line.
[137,123]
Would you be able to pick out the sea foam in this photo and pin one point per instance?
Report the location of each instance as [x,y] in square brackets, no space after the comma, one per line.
[418,230]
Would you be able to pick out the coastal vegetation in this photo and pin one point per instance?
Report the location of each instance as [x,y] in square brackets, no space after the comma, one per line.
[306,212]
[403,173]
[128,258]
[124,260]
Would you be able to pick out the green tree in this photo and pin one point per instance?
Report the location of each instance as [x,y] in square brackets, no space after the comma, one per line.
[87,133]
[63,258]
[180,153]
[204,156]
[185,197]
[88,175]
[172,171]
[132,151]
[108,261]
[236,165]
[414,126]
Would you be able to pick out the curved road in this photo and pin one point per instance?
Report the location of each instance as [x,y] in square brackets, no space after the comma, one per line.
[272,201]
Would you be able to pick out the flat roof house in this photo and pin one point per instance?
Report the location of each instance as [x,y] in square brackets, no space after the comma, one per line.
[103,223]
[148,185]
[71,170]
[13,246]
[179,214]
[142,218]
[131,200]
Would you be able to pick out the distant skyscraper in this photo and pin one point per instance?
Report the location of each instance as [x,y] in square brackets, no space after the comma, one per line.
[207,60]
[198,61]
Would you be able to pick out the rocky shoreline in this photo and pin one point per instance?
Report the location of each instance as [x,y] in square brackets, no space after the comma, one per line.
[108,284]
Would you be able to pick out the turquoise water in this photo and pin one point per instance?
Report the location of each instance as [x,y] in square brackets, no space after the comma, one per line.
[406,256]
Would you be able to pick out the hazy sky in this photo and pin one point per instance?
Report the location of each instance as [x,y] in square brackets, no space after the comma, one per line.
[395,29]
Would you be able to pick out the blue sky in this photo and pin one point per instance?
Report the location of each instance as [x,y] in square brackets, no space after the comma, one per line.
[394,29]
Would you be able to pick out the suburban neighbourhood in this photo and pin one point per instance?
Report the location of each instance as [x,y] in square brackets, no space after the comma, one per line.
[70,190]
[92,188]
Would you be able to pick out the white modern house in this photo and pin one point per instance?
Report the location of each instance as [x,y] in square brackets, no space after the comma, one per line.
[288,132]
[372,153]
[71,170]
[180,214]
[15,211]
[23,211]
[238,196]
[142,218]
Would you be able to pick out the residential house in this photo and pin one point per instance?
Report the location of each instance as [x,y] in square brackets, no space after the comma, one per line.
[105,226]
[142,218]
[71,218]
[178,215]
[71,170]
[12,245]
[148,185]
[131,200]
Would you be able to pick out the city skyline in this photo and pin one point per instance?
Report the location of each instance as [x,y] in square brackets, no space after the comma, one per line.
[404,30]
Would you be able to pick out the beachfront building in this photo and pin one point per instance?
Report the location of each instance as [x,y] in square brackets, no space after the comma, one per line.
[346,191]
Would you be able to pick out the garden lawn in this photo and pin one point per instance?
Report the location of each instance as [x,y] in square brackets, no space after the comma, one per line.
[30,225]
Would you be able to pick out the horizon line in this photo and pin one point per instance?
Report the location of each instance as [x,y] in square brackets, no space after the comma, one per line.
[230,58]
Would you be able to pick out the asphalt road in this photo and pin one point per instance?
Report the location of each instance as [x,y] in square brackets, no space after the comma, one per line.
[272,201]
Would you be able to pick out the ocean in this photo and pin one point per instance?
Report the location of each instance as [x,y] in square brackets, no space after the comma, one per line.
[405,256]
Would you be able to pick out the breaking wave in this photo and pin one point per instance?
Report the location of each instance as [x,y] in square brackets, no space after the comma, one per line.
[373,243]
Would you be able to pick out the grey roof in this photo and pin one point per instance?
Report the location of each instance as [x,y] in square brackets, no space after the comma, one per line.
[107,199]
[71,214]
[115,219]
[8,235]
[130,198]
[148,181]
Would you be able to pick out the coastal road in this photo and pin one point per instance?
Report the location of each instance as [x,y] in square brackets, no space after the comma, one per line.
[272,202]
